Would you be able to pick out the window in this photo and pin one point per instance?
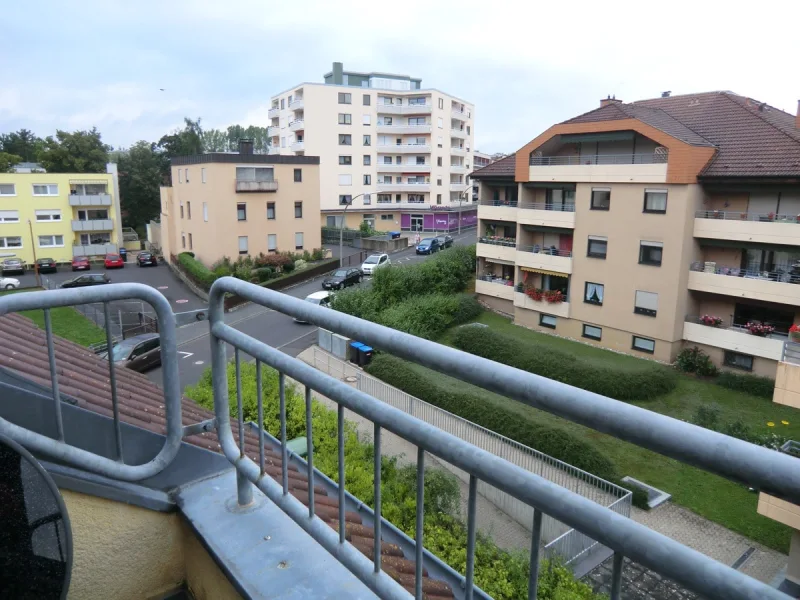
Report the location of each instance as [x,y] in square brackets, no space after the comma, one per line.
[346,179]
[205,212]
[298,238]
[601,199]
[345,140]
[548,321]
[367,140]
[272,242]
[438,198]
[439,181]
[48,215]
[592,332]
[188,209]
[439,140]
[415,198]
[180,180]
[9,216]
[645,303]
[298,210]
[92,215]
[365,120]
[643,344]
[270,211]
[254,174]
[298,175]
[440,123]
[51,241]
[441,103]
[367,100]
[191,245]
[389,217]
[183,236]
[384,198]
[367,160]
[45,189]
[345,119]
[181,210]
[738,361]
[655,201]
[8,189]
[345,199]
[598,246]
[186,171]
[650,253]
[283,103]
[345,98]
[386,121]
[438,161]
[367,198]
[242,244]
[11,242]
[203,174]
[345,160]
[367,179]
[593,293]
[96,238]
[416,121]
[241,212]
[283,142]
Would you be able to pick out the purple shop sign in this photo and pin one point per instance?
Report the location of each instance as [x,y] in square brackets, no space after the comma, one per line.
[469,219]
[441,221]
[428,222]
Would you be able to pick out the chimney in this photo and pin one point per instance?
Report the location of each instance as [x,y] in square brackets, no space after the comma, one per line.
[797,118]
[245,146]
[338,73]
[609,100]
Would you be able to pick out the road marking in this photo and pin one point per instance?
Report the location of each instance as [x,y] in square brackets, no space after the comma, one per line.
[182,301]
[297,339]
[185,354]
[163,287]
[198,362]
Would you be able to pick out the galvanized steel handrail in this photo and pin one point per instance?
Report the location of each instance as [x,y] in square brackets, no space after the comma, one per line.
[600,159]
[733,215]
[59,449]
[764,469]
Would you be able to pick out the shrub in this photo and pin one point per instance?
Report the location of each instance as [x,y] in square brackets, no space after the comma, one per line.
[317,254]
[300,264]
[265,274]
[708,416]
[222,267]
[196,270]
[748,384]
[428,316]
[276,261]
[644,384]
[694,360]
[358,301]
[288,267]
[366,229]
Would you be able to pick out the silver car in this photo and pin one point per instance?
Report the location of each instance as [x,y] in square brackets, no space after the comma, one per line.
[13,265]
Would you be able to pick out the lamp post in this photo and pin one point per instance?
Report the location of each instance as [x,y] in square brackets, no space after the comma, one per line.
[341,228]
[461,197]
[35,264]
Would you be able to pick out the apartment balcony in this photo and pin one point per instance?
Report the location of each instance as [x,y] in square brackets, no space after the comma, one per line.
[298,146]
[296,104]
[763,228]
[459,133]
[409,109]
[544,259]
[94,249]
[274,112]
[403,168]
[781,285]
[273,131]
[245,186]
[404,148]
[459,114]
[93,225]
[787,376]
[458,169]
[777,509]
[547,215]
[503,249]
[457,151]
[415,188]
[496,287]
[497,210]
[611,168]
[736,339]
[297,125]
[557,309]
[404,129]
[90,199]
[274,150]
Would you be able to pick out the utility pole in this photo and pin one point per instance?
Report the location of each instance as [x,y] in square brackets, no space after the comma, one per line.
[341,229]
[35,264]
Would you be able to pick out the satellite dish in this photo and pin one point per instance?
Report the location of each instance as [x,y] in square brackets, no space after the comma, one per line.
[35,537]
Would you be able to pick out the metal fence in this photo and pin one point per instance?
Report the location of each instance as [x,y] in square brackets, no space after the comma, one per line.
[601,159]
[733,215]
[563,207]
[791,353]
[330,235]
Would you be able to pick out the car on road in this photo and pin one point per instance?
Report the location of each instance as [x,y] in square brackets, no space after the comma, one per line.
[341,278]
[375,261]
[445,241]
[81,263]
[87,280]
[13,265]
[318,298]
[114,261]
[8,283]
[46,265]
[147,258]
[428,246]
[138,353]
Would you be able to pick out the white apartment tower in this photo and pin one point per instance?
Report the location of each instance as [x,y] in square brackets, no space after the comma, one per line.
[397,153]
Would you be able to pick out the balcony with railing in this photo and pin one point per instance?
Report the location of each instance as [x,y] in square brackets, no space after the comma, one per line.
[497,247]
[256,185]
[458,150]
[404,148]
[274,112]
[94,249]
[776,283]
[415,188]
[548,306]
[297,146]
[274,149]
[273,131]
[297,125]
[92,225]
[458,132]
[600,168]
[561,215]
[541,258]
[403,129]
[766,228]
[756,340]
[406,168]
[297,104]
[90,199]
[496,287]
[403,109]
[498,210]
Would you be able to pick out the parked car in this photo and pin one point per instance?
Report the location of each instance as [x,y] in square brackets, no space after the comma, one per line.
[318,298]
[139,353]
[81,263]
[376,261]
[13,265]
[428,246]
[445,241]
[147,258]
[46,265]
[87,280]
[114,261]
[9,283]
[341,278]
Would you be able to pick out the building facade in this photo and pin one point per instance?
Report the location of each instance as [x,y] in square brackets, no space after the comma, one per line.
[652,226]
[232,204]
[400,153]
[59,215]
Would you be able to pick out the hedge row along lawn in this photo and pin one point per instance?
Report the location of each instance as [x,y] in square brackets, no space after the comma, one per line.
[501,574]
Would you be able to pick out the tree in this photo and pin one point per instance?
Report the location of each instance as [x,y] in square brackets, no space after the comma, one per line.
[184,142]
[22,143]
[215,140]
[141,170]
[76,152]
[8,160]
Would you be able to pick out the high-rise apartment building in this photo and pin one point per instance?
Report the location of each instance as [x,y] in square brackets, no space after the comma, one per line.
[397,153]
[652,226]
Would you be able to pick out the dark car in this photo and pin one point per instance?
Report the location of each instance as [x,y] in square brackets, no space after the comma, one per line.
[146,258]
[81,263]
[428,246]
[87,280]
[341,278]
[13,265]
[46,265]
[445,241]
[139,353]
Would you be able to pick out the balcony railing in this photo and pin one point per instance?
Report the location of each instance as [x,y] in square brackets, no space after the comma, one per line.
[393,129]
[410,109]
[538,249]
[94,249]
[93,225]
[459,133]
[297,146]
[778,272]
[90,200]
[273,112]
[296,104]
[415,168]
[510,203]
[297,125]
[599,159]
[244,185]
[565,207]
[729,215]
[457,150]
[498,241]
[791,352]
[274,150]
[497,280]
[405,148]
[273,131]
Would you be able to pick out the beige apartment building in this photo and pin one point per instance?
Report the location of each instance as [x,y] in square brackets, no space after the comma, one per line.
[232,204]
[651,226]
[398,153]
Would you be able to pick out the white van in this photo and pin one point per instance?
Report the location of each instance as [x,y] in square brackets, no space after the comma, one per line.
[320,299]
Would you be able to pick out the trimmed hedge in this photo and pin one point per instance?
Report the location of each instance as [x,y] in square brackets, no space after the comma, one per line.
[196,270]
[755,385]
[428,316]
[644,384]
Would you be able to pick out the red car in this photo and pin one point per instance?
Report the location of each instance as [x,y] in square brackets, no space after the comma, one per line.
[114,261]
[81,263]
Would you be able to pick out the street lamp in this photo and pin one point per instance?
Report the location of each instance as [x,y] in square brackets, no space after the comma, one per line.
[461,197]
[341,228]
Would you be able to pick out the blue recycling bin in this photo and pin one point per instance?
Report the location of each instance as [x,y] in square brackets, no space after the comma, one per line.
[355,348]
[123,254]
[364,355]
[394,235]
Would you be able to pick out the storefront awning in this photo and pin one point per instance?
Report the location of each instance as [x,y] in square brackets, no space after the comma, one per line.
[544,272]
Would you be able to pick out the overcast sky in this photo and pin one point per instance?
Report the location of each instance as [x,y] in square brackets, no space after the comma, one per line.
[525,65]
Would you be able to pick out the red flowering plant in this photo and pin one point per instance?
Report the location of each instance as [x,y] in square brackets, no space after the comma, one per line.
[711,320]
[759,329]
[554,296]
[534,293]
[794,333]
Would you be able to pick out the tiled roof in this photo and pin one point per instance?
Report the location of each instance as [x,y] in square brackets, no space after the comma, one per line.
[500,168]
[83,376]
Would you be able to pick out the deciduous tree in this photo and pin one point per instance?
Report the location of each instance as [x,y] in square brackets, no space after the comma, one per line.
[76,152]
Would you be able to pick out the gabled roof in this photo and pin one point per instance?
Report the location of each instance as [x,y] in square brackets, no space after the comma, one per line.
[500,168]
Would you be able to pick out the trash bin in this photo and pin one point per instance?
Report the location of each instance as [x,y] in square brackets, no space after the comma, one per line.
[355,348]
[364,355]
[394,235]
[123,254]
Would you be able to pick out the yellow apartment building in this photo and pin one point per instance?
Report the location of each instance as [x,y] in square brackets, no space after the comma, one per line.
[59,215]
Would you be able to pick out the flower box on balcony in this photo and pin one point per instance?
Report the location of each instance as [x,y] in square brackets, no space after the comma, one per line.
[794,333]
[550,296]
[711,320]
[759,329]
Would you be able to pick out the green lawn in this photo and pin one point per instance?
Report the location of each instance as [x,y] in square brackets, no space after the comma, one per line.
[68,323]
[713,497]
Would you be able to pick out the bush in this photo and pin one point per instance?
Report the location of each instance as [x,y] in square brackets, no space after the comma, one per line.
[196,270]
[317,254]
[644,384]
[694,360]
[288,267]
[358,301]
[306,256]
[265,274]
[748,384]
[428,316]
[707,416]
[366,229]
[223,267]
[300,264]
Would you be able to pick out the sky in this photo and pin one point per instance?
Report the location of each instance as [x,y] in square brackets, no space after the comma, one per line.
[524,65]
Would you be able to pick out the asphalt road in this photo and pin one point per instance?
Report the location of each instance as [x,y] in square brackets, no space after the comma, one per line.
[268,326]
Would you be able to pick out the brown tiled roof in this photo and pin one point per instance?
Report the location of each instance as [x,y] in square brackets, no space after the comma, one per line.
[500,168]
[83,376]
